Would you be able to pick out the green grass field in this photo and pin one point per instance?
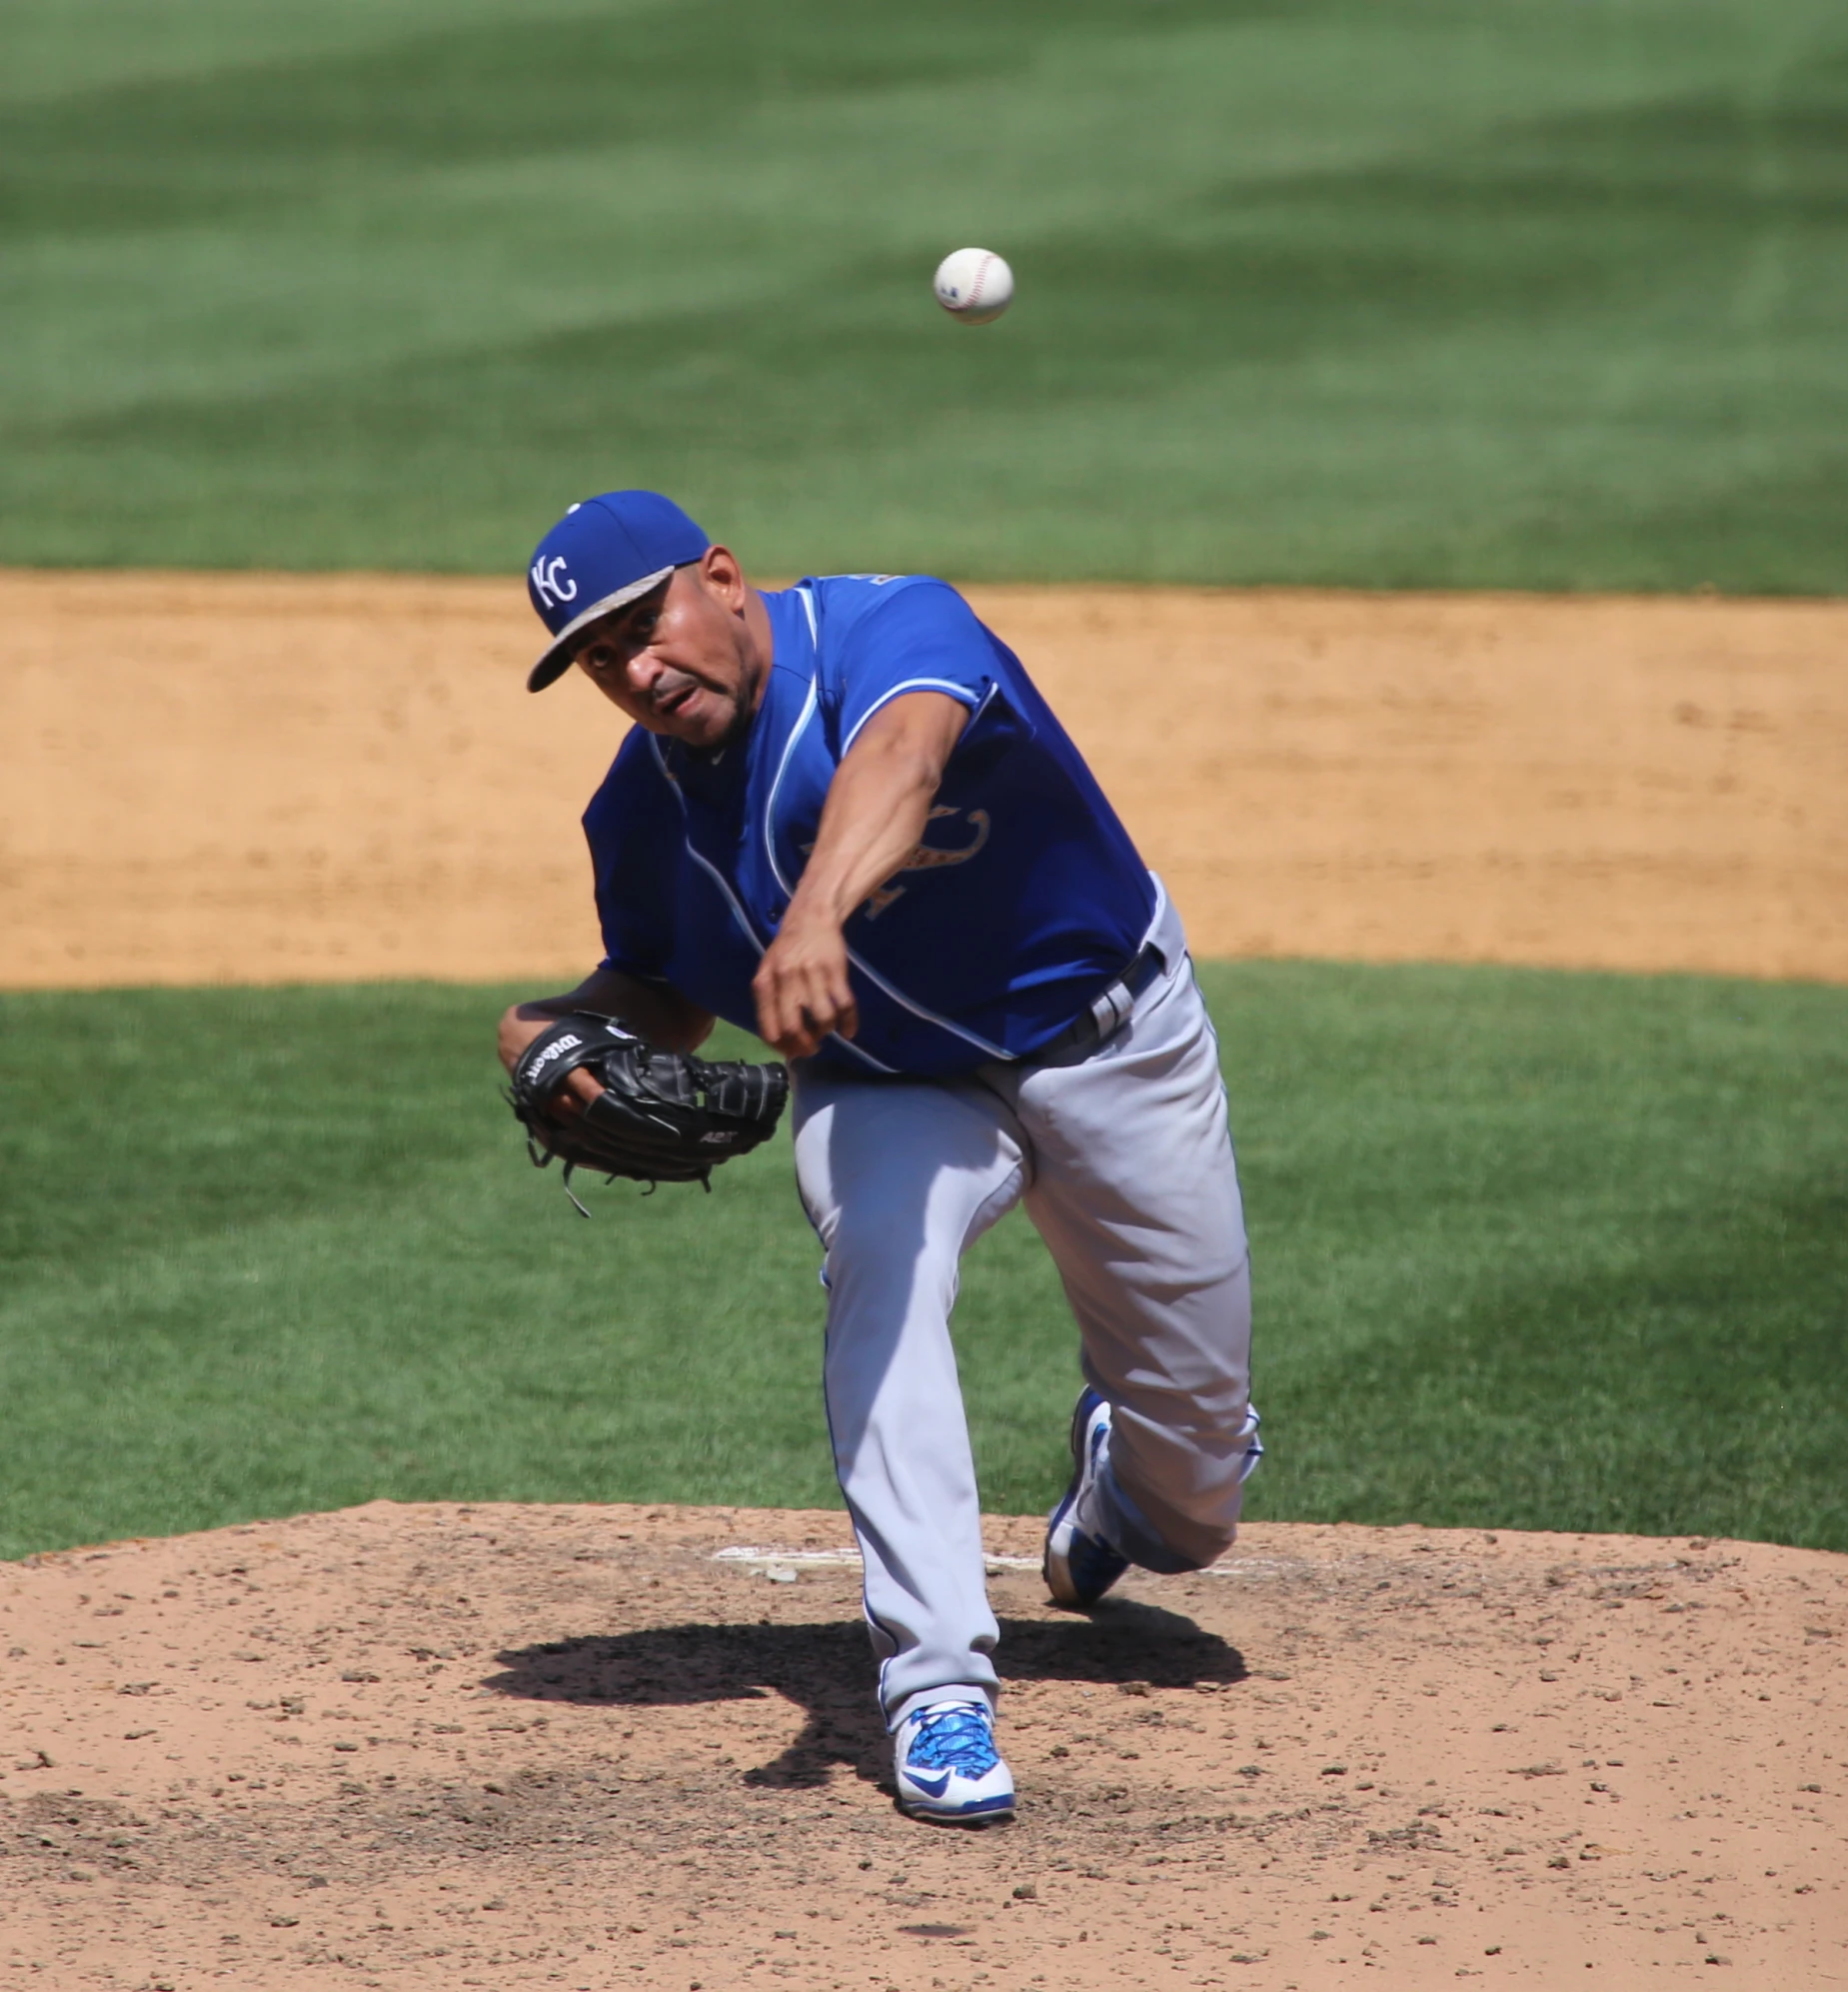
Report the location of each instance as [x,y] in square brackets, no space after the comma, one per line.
[1537,1251]
[1552,293]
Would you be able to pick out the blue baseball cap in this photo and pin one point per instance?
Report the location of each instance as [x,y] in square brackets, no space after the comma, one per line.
[602,553]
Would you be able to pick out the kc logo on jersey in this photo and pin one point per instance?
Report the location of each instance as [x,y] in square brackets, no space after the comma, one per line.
[552,583]
[927,858]
[924,858]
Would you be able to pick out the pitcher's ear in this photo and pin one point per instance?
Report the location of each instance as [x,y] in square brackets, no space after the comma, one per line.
[720,570]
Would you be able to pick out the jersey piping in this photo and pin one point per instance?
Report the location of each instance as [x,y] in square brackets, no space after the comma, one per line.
[872,975]
[718,877]
[782,767]
[698,858]
[959,693]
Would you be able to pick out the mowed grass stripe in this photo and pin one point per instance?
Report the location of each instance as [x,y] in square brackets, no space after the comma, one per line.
[1531,1250]
[1548,296]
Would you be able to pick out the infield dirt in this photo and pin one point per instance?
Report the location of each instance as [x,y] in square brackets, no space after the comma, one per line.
[595,1747]
[225,778]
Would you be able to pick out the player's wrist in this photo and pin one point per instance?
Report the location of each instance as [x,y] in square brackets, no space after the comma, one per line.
[813,910]
[519,1026]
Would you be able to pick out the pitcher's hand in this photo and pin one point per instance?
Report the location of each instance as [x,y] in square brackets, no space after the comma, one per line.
[517,1033]
[802,988]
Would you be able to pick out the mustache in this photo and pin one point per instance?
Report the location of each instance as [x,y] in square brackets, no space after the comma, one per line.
[669,689]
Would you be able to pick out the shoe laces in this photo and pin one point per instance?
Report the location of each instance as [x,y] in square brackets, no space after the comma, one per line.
[954,1735]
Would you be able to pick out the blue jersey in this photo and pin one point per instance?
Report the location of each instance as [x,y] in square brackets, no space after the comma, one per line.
[1022,901]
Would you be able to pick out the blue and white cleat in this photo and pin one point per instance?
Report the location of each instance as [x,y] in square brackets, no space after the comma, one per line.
[1079,1568]
[949,1768]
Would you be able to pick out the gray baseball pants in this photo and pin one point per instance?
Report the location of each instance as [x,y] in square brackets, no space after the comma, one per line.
[1125,1166]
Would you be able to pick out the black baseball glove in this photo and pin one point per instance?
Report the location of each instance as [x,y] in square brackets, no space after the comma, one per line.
[660,1117]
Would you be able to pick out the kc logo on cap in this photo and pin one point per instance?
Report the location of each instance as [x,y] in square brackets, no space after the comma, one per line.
[550,583]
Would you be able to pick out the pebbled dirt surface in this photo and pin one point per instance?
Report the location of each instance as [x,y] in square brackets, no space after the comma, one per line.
[510,1746]
[270,779]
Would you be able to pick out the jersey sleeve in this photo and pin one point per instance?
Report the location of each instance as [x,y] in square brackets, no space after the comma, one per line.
[923,637]
[630,828]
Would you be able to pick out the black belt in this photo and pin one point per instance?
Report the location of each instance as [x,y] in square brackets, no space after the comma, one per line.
[1095,1026]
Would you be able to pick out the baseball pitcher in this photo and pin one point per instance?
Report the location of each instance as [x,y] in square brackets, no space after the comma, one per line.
[845,820]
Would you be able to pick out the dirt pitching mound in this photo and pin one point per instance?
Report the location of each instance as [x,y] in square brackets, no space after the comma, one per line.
[606,1746]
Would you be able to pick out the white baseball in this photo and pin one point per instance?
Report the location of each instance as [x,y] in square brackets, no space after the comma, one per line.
[974,284]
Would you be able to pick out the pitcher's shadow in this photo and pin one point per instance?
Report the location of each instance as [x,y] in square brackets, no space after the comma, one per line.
[828,1671]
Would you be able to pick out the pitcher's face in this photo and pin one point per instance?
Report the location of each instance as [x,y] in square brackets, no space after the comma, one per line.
[680,659]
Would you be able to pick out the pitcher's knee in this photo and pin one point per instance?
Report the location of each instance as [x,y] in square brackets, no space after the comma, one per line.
[1178,1496]
[862,1272]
